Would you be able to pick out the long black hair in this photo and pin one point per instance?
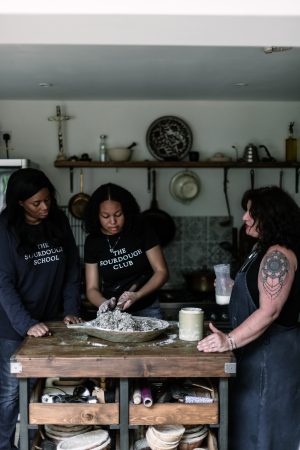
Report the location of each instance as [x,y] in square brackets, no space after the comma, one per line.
[110,191]
[23,184]
[276,214]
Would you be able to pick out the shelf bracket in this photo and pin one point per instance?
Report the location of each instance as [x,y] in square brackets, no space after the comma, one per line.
[15,367]
[230,367]
[225,189]
[71,179]
[297,179]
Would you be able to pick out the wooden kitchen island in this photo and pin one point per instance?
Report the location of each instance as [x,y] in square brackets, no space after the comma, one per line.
[70,353]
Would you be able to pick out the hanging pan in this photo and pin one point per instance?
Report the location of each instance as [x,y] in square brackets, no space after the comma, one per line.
[185,186]
[162,223]
[78,202]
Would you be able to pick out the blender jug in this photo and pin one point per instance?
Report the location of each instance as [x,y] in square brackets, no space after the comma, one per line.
[223,283]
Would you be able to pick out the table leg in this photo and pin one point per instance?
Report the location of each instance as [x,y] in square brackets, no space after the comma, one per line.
[223,423]
[124,414]
[23,395]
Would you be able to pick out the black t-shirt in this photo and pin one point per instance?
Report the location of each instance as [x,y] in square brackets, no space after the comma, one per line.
[122,261]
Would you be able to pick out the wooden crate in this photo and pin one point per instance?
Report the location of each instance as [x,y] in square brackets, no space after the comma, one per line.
[174,413]
[71,413]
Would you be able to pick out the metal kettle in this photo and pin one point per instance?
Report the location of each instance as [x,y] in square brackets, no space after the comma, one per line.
[251,153]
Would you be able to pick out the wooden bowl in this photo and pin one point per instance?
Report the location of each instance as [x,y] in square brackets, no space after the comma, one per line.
[168,433]
[156,443]
[158,326]
[191,444]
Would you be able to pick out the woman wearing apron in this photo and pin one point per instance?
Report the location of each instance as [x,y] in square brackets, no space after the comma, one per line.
[264,310]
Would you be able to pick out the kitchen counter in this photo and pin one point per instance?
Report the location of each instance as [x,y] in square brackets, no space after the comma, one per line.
[69,353]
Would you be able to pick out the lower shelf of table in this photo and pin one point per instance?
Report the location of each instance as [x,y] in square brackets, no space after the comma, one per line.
[108,414]
[74,414]
[174,413]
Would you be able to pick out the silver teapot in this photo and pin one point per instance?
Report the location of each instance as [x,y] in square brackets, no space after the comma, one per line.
[251,153]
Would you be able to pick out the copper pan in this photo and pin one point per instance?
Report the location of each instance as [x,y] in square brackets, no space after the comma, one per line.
[78,203]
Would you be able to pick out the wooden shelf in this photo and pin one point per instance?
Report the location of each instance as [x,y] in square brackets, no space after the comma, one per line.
[66,164]
[70,413]
[166,413]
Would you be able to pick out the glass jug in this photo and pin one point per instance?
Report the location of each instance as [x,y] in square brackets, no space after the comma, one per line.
[223,283]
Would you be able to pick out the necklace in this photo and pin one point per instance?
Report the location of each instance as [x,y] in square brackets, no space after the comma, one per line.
[112,248]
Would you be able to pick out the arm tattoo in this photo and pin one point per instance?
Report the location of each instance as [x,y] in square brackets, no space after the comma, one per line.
[274,272]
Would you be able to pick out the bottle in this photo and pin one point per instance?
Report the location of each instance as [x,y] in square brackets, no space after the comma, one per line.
[103,148]
[291,145]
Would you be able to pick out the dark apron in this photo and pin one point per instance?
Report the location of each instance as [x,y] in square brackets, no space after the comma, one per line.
[265,395]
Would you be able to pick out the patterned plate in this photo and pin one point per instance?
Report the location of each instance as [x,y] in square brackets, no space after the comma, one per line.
[169,138]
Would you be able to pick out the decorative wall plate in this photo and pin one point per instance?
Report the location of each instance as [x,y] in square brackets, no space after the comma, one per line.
[169,138]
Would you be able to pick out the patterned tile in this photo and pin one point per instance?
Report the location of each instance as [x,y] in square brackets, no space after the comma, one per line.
[194,254]
[172,253]
[217,231]
[194,228]
[179,228]
[217,255]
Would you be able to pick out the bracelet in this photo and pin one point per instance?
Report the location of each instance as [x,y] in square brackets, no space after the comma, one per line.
[232,342]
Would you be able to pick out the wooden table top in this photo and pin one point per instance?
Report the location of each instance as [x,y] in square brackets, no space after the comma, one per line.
[71,353]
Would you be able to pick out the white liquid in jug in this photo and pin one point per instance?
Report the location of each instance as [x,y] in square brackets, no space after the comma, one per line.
[222,299]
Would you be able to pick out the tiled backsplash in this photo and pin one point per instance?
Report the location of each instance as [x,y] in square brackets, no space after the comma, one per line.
[196,244]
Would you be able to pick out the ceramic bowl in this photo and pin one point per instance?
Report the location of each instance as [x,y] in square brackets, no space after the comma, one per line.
[119,154]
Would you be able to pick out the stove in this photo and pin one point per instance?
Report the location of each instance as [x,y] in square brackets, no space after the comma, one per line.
[171,302]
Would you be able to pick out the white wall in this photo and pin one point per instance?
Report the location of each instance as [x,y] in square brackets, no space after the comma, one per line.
[216,126]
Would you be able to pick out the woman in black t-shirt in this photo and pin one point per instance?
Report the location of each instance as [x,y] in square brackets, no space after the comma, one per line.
[124,262]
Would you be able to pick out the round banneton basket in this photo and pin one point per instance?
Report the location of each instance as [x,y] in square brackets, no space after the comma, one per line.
[164,437]
[97,440]
[58,433]
[157,327]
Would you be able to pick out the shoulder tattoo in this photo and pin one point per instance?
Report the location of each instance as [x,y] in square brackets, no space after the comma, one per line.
[274,272]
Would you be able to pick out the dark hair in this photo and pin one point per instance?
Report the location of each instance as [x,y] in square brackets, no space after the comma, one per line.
[277,216]
[110,191]
[23,184]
